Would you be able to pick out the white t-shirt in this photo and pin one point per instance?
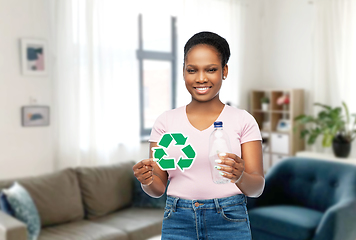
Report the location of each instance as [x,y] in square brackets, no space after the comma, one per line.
[196,182]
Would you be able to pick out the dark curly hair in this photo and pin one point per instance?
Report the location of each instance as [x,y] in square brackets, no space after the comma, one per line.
[212,39]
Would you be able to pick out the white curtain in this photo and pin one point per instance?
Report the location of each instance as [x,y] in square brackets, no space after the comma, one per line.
[95,71]
[335,52]
[334,55]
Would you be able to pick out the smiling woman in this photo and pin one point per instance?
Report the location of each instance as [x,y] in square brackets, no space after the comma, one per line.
[220,207]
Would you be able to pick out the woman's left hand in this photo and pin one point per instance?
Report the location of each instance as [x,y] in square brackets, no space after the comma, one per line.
[231,166]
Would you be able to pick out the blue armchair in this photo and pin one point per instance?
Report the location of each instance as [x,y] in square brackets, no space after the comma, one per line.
[306,199]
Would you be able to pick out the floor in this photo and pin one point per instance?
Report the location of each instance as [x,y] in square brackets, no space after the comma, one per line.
[155,238]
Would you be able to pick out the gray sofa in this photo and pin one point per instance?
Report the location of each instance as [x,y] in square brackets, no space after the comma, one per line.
[96,203]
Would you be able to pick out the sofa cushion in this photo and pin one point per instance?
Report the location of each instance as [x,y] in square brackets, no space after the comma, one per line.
[105,189]
[57,196]
[137,223]
[82,230]
[24,209]
[292,222]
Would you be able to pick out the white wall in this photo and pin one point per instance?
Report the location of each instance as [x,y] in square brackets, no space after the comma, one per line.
[251,72]
[278,45]
[287,28]
[23,150]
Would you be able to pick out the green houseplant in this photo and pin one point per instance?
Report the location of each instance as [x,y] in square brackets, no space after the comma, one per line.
[336,128]
[264,100]
[264,103]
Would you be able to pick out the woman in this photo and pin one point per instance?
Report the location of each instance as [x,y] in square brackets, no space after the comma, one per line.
[196,207]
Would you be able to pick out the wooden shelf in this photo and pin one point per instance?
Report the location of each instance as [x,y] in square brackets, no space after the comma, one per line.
[280,144]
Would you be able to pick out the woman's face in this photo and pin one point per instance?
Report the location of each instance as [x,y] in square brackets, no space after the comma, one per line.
[203,73]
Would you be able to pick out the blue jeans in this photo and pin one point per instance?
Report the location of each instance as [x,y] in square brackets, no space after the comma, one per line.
[213,219]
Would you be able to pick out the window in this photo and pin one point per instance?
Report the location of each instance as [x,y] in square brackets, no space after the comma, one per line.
[157,72]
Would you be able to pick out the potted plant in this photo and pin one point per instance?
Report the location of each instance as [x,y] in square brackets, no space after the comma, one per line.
[336,128]
[264,103]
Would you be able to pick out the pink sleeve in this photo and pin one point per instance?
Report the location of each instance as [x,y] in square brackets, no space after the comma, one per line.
[250,129]
[159,128]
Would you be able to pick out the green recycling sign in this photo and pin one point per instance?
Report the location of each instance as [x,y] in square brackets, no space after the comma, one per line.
[167,163]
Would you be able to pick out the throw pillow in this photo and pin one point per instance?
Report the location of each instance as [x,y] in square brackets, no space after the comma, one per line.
[24,209]
[105,189]
[142,199]
[5,206]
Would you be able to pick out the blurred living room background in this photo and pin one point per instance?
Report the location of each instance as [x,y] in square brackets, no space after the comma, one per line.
[112,66]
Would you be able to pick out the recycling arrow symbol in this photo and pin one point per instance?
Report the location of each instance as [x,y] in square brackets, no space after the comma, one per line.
[168,163]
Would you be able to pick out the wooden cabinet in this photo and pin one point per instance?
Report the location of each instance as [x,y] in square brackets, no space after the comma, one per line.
[279,132]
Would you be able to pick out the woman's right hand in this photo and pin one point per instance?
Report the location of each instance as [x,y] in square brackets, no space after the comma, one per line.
[143,171]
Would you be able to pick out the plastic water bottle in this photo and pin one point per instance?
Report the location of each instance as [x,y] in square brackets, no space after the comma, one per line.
[218,143]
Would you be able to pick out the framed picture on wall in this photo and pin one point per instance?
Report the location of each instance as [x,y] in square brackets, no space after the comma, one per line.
[35,116]
[34,57]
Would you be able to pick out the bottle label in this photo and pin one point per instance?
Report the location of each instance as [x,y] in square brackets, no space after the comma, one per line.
[168,163]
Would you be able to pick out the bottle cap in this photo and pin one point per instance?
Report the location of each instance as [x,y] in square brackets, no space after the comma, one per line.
[218,124]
